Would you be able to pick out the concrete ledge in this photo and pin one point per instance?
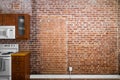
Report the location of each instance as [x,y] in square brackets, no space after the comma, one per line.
[37,76]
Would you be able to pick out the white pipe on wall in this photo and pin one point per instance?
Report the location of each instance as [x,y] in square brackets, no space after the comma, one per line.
[74,76]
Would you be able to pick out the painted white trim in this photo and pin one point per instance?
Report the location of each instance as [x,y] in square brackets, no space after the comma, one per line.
[33,76]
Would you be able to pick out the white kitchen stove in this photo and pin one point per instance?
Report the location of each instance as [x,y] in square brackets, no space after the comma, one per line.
[8,49]
[5,60]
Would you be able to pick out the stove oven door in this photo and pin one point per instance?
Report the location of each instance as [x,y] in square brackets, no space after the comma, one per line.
[5,71]
[5,78]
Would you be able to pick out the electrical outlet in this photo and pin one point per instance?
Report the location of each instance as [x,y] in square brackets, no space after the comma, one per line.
[70,68]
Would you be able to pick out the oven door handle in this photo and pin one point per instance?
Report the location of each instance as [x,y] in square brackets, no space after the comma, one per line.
[6,58]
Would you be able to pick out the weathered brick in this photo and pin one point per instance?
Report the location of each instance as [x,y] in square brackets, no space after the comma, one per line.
[78,33]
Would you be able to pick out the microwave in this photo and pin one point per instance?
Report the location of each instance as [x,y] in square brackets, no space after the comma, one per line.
[7,32]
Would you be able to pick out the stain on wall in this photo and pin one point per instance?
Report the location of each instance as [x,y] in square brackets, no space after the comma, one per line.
[53,40]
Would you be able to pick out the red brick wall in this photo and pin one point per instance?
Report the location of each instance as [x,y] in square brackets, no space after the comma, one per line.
[74,79]
[78,33]
[119,33]
[52,38]
[92,34]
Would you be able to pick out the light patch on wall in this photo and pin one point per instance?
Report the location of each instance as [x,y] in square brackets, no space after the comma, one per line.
[52,38]
[17,6]
[5,5]
[93,2]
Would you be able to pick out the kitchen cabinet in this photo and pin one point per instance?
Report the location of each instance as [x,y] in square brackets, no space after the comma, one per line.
[20,66]
[7,19]
[1,19]
[23,26]
[21,23]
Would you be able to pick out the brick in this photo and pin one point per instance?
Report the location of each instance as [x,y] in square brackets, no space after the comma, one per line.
[78,33]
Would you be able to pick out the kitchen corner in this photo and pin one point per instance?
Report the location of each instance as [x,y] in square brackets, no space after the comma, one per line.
[60,39]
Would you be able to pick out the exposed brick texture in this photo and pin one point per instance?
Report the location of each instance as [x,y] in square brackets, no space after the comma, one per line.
[16,6]
[74,79]
[119,34]
[78,33]
[52,38]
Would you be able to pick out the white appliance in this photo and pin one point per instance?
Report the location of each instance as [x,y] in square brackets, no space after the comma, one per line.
[7,32]
[5,60]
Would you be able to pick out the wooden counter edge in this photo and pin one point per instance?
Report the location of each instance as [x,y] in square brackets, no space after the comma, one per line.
[21,53]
